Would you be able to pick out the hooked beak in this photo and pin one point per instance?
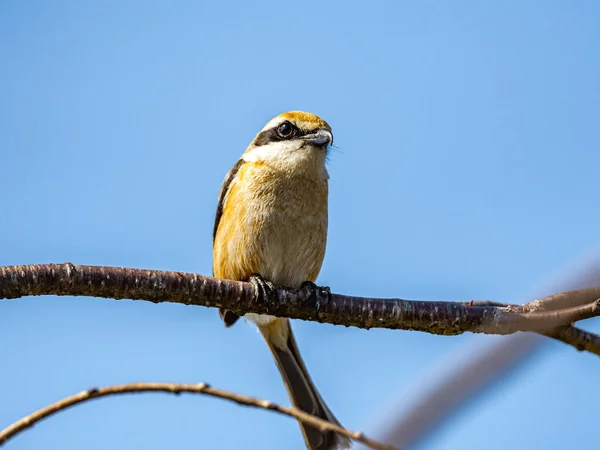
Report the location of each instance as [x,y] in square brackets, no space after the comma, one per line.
[321,138]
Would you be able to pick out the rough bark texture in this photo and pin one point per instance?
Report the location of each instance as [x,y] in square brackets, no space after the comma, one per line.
[551,316]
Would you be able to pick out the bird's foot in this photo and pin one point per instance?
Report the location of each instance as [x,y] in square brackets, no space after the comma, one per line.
[265,290]
[317,294]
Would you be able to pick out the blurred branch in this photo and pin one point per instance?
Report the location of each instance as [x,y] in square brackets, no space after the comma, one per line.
[455,390]
[474,375]
[201,388]
[547,316]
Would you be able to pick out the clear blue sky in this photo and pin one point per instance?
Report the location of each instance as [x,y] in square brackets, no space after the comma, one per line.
[467,168]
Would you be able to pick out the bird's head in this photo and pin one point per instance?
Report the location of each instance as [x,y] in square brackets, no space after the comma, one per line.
[293,140]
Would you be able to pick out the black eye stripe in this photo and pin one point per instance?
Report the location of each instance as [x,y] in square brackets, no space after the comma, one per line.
[271,135]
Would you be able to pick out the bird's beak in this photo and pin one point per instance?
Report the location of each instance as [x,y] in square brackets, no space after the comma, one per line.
[321,138]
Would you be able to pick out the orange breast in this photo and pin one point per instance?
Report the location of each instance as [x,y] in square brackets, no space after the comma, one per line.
[273,224]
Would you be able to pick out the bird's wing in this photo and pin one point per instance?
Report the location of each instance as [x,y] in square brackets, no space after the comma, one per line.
[223,193]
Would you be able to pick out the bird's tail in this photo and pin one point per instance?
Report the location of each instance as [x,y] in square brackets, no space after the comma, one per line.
[302,391]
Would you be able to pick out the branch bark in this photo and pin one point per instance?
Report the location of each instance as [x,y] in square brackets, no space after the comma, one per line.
[551,316]
[171,388]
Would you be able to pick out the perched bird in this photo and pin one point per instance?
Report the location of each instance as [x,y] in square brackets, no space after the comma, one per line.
[271,227]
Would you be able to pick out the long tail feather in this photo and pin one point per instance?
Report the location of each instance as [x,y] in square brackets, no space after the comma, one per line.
[301,389]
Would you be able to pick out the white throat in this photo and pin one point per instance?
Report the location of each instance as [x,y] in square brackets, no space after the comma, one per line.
[293,156]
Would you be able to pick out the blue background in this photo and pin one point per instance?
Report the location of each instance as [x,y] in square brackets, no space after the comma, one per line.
[466,168]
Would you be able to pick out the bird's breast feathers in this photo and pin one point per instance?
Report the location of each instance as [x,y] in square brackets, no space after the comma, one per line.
[273,223]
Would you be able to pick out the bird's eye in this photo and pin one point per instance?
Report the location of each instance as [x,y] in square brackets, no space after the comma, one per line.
[286,130]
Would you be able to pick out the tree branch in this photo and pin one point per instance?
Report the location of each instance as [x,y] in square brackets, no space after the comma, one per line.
[202,388]
[548,316]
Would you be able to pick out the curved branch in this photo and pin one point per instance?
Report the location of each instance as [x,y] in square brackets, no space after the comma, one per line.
[171,388]
[544,316]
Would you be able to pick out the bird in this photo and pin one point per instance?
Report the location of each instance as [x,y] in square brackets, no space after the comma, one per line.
[271,229]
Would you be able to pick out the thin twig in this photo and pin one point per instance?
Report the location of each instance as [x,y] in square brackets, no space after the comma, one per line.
[171,388]
[540,321]
[436,317]
[582,340]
